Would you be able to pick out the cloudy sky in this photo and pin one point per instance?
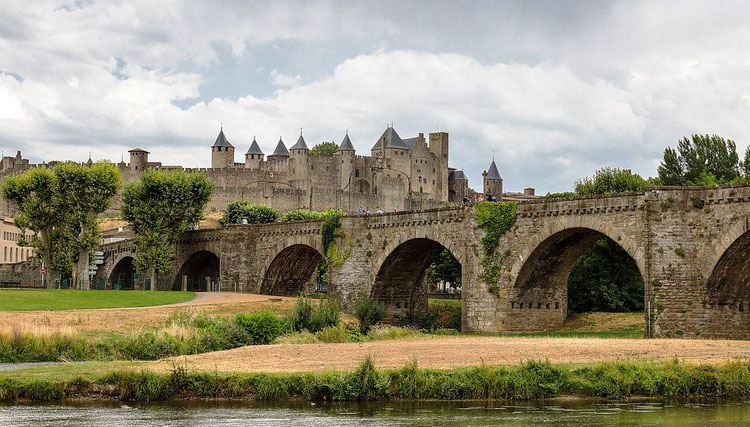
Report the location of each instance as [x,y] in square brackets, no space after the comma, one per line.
[553,89]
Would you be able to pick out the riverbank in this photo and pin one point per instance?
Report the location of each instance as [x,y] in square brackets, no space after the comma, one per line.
[526,381]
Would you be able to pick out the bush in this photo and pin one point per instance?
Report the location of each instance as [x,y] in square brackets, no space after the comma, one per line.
[420,320]
[255,214]
[368,312]
[263,326]
[222,334]
[305,317]
[301,215]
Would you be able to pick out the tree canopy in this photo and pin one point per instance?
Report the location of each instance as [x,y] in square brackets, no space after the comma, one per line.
[701,160]
[445,268]
[605,278]
[60,207]
[160,206]
[610,181]
[324,149]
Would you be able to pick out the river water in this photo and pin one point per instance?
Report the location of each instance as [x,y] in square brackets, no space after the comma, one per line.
[567,413]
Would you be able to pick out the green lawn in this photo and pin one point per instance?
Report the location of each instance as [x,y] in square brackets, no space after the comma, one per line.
[54,299]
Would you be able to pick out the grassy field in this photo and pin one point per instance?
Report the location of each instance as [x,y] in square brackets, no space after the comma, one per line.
[54,299]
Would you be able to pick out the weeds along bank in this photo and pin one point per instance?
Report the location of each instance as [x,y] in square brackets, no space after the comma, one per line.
[190,332]
[530,380]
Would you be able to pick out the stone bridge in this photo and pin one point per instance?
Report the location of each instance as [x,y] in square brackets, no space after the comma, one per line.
[691,245]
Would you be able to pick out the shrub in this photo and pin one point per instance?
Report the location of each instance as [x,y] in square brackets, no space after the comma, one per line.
[368,312]
[255,214]
[420,320]
[222,334]
[263,326]
[334,334]
[152,345]
[301,215]
[306,317]
[327,314]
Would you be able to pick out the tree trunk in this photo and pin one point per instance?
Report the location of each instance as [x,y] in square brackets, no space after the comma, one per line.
[47,258]
[82,269]
[152,275]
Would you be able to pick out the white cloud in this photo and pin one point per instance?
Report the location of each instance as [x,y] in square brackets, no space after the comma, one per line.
[279,79]
[610,91]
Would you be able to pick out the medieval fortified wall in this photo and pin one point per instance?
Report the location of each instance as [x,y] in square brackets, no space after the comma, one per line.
[398,174]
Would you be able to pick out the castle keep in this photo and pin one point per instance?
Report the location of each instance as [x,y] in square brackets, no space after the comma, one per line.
[398,174]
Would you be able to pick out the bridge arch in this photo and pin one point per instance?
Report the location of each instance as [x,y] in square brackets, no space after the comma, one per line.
[202,269]
[290,270]
[538,295]
[399,270]
[122,274]
[728,280]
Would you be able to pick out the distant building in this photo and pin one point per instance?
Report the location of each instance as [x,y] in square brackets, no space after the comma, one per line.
[10,236]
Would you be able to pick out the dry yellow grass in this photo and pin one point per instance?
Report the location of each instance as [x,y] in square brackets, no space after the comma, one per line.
[124,320]
[456,351]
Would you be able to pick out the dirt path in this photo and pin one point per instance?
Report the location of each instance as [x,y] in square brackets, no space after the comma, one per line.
[449,352]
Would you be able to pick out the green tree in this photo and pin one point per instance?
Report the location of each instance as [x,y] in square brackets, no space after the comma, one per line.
[159,207]
[746,163]
[605,278]
[324,149]
[85,193]
[37,202]
[698,158]
[609,181]
[60,207]
[445,268]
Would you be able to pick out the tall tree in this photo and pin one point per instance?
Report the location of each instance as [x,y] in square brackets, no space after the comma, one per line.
[160,206]
[609,181]
[324,149]
[746,163]
[60,207]
[700,160]
[85,193]
[38,209]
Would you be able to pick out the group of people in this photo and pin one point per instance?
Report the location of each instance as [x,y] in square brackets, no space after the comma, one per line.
[366,210]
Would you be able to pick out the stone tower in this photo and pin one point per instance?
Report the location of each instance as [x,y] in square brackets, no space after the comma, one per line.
[138,160]
[222,152]
[440,145]
[493,182]
[254,156]
[280,153]
[299,162]
[347,154]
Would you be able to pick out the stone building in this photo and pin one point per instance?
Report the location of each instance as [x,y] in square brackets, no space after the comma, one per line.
[10,238]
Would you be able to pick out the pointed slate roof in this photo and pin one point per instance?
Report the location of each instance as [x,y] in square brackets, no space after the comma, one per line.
[280,149]
[457,174]
[391,140]
[221,140]
[254,148]
[492,172]
[346,144]
[300,145]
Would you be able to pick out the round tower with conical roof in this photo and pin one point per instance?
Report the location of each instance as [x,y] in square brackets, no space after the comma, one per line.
[493,182]
[254,156]
[222,152]
[346,154]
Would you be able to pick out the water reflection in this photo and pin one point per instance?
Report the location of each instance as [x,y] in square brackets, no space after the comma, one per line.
[432,413]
